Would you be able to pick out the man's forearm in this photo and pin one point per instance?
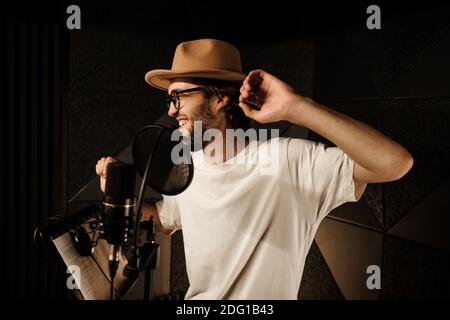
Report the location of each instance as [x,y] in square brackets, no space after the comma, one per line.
[367,146]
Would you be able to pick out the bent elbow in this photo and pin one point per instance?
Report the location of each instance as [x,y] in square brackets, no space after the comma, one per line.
[402,166]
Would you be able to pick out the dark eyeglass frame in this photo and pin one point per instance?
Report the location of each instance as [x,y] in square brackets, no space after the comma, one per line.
[175,96]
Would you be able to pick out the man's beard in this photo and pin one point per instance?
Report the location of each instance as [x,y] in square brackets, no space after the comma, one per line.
[200,122]
[205,117]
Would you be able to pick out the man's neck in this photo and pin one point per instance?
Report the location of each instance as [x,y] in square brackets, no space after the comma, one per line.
[217,151]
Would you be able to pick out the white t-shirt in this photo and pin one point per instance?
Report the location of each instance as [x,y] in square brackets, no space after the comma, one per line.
[248,225]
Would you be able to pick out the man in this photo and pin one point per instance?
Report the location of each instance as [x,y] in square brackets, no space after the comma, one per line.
[247,234]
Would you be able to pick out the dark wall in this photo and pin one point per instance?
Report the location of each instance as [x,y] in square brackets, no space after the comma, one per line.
[33,122]
[397,80]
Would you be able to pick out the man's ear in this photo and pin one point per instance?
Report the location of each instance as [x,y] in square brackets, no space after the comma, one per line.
[222,102]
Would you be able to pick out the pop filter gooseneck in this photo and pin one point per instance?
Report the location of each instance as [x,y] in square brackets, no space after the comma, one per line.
[152,150]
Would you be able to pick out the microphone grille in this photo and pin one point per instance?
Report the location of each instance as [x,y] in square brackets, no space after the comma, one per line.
[120,180]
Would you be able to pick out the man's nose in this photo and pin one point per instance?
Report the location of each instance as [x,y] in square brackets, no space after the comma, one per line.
[172,111]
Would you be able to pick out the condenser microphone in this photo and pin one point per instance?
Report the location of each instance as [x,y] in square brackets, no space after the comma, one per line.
[118,210]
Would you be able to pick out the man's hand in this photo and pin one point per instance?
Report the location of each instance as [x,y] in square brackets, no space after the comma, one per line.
[100,169]
[149,211]
[272,95]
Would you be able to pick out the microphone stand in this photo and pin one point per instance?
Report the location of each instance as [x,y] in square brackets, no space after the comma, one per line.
[135,263]
[151,247]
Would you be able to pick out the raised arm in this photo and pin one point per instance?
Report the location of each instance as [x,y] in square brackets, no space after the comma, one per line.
[377,157]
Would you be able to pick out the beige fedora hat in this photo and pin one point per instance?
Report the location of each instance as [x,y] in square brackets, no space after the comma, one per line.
[203,58]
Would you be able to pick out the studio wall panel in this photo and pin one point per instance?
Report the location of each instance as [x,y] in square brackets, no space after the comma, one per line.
[33,72]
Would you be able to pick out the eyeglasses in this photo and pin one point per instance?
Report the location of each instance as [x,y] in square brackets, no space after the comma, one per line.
[175,97]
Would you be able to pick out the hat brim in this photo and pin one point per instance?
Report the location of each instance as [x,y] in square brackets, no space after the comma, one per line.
[161,78]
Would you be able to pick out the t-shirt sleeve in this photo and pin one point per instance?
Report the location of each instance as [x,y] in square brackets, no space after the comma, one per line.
[169,213]
[322,177]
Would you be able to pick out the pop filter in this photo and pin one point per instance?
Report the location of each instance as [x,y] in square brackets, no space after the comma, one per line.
[164,176]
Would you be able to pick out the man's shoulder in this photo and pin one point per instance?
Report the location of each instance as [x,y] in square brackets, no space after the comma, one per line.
[280,146]
[285,142]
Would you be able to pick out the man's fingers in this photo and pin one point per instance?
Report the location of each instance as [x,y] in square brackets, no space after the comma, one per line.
[99,167]
[243,96]
[248,111]
[106,162]
[245,89]
[102,184]
[258,80]
[255,78]
[102,164]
